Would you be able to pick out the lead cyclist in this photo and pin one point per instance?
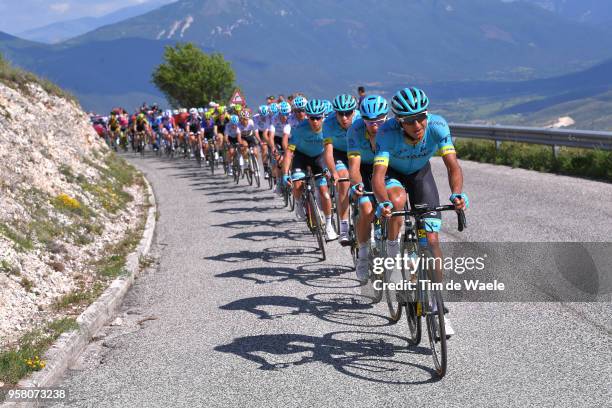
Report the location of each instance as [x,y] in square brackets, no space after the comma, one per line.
[404,146]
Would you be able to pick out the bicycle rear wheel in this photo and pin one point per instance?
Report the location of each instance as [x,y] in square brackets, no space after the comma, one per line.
[248,171]
[236,168]
[211,159]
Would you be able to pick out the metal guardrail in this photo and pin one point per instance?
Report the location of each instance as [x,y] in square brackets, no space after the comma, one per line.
[553,137]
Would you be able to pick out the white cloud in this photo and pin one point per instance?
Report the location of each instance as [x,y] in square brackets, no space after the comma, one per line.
[60,8]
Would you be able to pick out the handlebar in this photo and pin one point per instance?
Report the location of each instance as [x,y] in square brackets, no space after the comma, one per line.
[419,212]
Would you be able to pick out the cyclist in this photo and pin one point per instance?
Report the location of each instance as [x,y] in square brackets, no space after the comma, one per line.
[299,114]
[114,129]
[262,124]
[210,133]
[361,150]
[167,128]
[280,129]
[279,133]
[405,145]
[247,134]
[141,129]
[231,131]
[329,108]
[335,142]
[306,150]
[194,127]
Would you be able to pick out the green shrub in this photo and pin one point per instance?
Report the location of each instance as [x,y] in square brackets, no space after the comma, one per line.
[596,164]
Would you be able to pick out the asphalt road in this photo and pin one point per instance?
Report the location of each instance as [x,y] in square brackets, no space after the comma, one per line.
[240,312]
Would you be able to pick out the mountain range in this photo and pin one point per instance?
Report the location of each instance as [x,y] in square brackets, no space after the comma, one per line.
[63,30]
[585,11]
[323,48]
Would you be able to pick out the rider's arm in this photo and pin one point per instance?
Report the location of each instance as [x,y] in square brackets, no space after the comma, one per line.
[328,155]
[239,135]
[354,162]
[287,160]
[381,162]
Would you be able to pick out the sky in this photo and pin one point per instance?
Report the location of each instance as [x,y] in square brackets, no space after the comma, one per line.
[20,15]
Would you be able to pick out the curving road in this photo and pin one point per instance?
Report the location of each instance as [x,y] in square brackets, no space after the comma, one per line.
[240,312]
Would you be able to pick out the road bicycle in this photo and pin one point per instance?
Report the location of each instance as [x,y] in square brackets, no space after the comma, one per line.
[314,215]
[375,243]
[252,168]
[421,300]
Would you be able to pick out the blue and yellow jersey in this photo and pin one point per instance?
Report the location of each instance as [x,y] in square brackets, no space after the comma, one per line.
[359,143]
[395,152]
[305,140]
[333,132]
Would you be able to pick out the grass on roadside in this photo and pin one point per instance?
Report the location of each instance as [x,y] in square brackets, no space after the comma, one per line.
[26,357]
[596,164]
[79,297]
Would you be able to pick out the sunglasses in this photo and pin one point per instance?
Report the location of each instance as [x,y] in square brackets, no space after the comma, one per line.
[315,117]
[411,120]
[375,122]
[299,110]
[345,114]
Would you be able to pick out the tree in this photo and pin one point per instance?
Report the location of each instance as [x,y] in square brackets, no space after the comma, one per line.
[191,78]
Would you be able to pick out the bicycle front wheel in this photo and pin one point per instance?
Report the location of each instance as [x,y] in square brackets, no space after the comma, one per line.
[433,305]
[315,221]
[413,319]
[395,307]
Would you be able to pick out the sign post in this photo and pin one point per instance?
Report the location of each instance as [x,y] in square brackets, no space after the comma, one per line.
[237,98]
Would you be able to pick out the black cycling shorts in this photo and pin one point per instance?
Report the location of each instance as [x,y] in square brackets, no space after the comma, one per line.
[340,156]
[251,140]
[420,186]
[366,171]
[302,162]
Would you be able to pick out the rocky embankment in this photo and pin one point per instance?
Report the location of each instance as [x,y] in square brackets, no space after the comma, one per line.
[69,211]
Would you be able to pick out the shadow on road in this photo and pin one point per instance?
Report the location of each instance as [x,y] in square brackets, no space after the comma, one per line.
[319,276]
[248,224]
[341,308]
[289,255]
[375,357]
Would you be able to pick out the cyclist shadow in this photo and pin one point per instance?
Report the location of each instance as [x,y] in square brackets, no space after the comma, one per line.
[288,255]
[248,224]
[341,308]
[241,210]
[374,357]
[320,276]
[240,200]
[259,236]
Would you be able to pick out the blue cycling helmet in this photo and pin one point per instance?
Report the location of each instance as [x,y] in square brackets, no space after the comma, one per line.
[315,107]
[263,110]
[299,102]
[373,106]
[329,108]
[344,102]
[285,108]
[409,101]
[273,108]
[234,119]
